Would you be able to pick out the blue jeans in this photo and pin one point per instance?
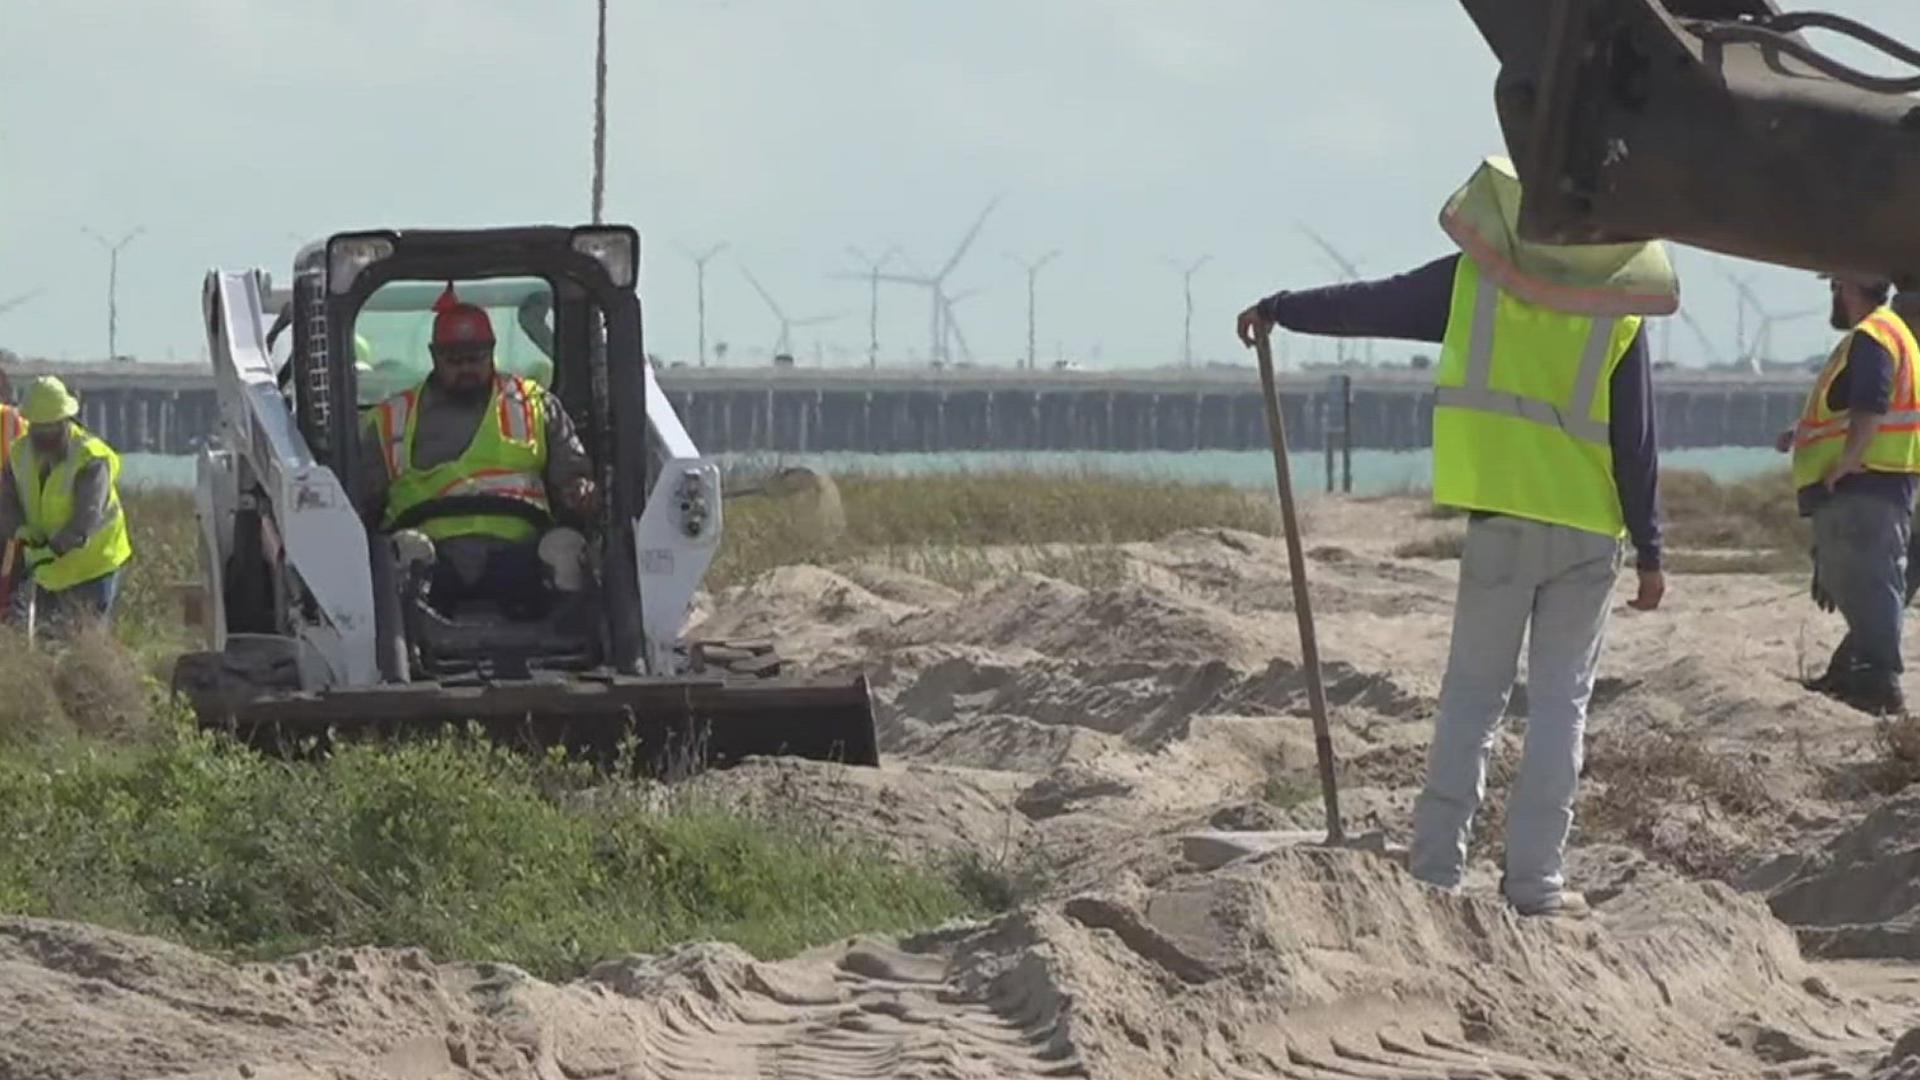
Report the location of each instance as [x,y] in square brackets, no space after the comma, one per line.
[1860,551]
[93,599]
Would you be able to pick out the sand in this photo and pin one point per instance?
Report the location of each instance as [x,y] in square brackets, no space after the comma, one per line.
[1130,755]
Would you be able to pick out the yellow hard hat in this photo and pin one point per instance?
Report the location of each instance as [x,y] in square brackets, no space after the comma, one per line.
[48,402]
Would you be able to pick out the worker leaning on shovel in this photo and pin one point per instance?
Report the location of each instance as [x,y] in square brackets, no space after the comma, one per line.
[1543,430]
[60,504]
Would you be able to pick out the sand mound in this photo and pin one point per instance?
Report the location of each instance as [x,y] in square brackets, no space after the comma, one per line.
[1307,964]
[1133,621]
[798,607]
[1860,896]
[916,810]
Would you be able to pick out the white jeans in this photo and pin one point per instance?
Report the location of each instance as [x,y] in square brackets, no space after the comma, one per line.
[1516,574]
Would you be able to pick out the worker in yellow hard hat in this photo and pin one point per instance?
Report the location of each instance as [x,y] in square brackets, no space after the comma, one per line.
[59,497]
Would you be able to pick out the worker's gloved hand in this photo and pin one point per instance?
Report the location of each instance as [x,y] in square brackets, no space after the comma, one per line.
[581,496]
[1822,599]
[67,540]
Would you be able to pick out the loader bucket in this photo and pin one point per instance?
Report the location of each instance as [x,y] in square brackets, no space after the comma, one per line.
[671,726]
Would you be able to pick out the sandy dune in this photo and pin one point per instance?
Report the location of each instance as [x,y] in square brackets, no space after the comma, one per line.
[1757,893]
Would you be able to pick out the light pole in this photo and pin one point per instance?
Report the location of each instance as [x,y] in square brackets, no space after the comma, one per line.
[1033,271]
[113,284]
[600,117]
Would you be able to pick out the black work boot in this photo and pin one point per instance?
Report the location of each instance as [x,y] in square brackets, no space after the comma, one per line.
[1841,670]
[1874,693]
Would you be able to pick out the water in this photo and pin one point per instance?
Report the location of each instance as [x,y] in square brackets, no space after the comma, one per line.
[1375,472]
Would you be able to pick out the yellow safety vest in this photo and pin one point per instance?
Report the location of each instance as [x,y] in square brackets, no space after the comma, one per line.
[507,457]
[13,427]
[49,507]
[1521,405]
[1820,436]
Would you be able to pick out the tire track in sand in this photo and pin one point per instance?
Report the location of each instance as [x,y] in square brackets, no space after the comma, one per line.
[876,1012]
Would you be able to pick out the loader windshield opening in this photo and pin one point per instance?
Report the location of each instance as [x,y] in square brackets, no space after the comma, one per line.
[396,323]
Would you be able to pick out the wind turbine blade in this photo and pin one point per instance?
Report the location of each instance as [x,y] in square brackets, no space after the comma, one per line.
[954,323]
[1706,343]
[961,251]
[777,313]
[14,302]
[1339,260]
[1047,258]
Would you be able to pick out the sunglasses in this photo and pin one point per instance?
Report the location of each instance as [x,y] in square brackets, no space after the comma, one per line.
[463,355]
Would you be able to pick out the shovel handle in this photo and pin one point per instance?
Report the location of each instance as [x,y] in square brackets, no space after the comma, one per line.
[1302,607]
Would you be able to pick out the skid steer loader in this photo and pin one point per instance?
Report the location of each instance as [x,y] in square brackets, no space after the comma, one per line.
[318,630]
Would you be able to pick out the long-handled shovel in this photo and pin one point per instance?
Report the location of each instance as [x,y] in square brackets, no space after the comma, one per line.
[1302,608]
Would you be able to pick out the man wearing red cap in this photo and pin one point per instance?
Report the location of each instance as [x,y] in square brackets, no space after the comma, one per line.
[472,464]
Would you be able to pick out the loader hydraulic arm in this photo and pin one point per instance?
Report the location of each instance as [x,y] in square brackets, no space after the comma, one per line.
[1714,123]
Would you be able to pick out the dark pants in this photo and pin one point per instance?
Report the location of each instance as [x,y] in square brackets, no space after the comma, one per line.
[1860,552]
[511,576]
[54,613]
[1843,661]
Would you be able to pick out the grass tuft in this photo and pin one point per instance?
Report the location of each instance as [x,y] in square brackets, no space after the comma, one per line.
[1645,777]
[465,849]
[938,525]
[1447,545]
[1750,526]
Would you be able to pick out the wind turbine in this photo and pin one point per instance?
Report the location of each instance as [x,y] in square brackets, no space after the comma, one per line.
[950,325]
[113,248]
[1033,271]
[700,275]
[785,345]
[1753,356]
[939,303]
[1706,343]
[1186,274]
[873,298]
[1347,270]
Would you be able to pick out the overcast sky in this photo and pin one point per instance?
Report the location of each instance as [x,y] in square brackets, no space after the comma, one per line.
[1124,132]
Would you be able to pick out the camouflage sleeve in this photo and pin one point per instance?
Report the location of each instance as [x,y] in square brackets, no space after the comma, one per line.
[567,457]
[90,490]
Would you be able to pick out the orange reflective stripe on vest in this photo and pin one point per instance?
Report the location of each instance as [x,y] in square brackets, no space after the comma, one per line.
[12,427]
[1820,434]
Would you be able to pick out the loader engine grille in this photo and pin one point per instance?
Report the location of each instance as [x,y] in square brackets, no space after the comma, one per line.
[316,377]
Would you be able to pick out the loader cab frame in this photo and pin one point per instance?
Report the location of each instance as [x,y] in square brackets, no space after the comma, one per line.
[593,340]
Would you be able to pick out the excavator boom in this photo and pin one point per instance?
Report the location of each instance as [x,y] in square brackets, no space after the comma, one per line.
[1714,123]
